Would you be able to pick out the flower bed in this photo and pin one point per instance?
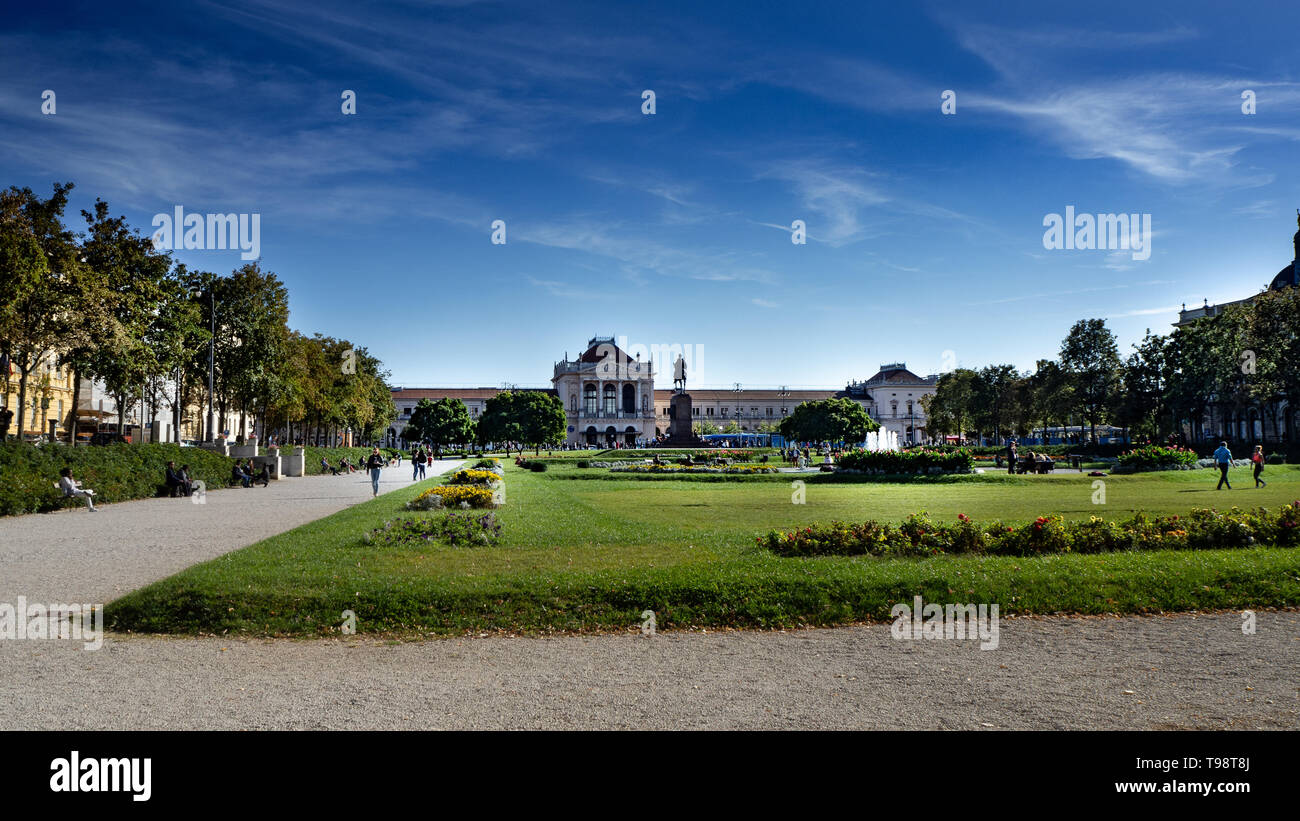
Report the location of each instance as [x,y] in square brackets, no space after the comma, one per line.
[916,460]
[665,469]
[478,478]
[468,488]
[453,529]
[918,535]
[1157,457]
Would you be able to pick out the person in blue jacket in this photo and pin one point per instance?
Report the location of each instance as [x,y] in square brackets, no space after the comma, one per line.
[1223,457]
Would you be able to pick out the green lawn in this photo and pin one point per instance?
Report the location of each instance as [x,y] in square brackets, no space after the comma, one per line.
[583,550]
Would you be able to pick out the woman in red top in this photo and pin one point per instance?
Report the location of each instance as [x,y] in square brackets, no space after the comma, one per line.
[1258,458]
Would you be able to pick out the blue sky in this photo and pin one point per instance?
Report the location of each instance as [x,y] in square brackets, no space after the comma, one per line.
[924,230]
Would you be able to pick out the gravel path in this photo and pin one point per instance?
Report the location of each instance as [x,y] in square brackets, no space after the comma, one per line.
[78,556]
[1185,671]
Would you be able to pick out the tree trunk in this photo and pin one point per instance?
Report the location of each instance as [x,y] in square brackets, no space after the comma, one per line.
[76,404]
[22,396]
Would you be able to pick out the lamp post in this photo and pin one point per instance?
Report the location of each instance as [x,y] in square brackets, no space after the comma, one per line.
[212,339]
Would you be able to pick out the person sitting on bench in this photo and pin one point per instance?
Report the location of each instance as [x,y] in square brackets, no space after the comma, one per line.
[72,488]
[175,485]
[186,481]
[237,474]
[324,466]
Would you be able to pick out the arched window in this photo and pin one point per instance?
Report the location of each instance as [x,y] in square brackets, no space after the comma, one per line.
[629,399]
[610,399]
[589,398]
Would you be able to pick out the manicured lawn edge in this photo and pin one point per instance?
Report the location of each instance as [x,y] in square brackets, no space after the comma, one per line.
[758,593]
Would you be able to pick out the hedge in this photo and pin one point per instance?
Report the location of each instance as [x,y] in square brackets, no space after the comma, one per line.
[918,460]
[116,473]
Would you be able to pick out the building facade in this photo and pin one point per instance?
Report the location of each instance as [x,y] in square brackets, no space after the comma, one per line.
[608,396]
[1226,420]
[49,399]
[893,398]
[610,399]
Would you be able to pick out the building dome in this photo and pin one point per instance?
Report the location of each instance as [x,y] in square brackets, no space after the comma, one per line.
[1286,278]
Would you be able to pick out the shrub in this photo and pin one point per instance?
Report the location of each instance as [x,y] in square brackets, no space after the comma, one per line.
[1158,457]
[916,460]
[452,529]
[535,466]
[920,536]
[1275,459]
[487,463]
[115,472]
[312,457]
[583,463]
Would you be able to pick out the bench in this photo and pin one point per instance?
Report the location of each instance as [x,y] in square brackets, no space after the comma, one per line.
[1027,464]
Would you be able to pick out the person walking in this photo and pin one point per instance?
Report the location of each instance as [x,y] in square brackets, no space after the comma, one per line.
[1223,458]
[72,488]
[1258,458]
[1011,456]
[426,459]
[375,464]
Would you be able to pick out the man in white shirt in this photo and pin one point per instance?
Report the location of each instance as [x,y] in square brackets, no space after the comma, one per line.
[71,487]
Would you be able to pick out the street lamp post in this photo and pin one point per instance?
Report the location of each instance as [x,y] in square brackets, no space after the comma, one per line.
[212,338]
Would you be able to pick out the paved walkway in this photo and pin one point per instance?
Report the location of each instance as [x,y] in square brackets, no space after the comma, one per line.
[1164,672]
[78,556]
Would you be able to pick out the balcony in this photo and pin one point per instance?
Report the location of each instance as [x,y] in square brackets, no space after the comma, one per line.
[603,414]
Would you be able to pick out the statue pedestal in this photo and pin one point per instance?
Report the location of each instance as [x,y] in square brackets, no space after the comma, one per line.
[681,418]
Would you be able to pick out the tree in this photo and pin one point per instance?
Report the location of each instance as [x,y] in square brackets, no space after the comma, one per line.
[1090,359]
[992,392]
[1051,395]
[39,302]
[131,278]
[704,428]
[1140,401]
[829,420]
[527,418]
[445,422]
[1274,337]
[953,404]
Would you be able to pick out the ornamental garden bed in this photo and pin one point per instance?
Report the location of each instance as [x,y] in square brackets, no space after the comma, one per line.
[1157,457]
[482,486]
[919,535]
[744,470]
[923,461]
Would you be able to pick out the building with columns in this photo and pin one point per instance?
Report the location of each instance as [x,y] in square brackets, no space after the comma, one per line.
[893,398]
[608,396]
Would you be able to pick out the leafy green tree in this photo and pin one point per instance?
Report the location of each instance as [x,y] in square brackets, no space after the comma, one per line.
[132,278]
[445,422]
[992,392]
[829,420]
[1274,336]
[526,418]
[1139,404]
[1051,395]
[40,300]
[952,408]
[1090,359]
